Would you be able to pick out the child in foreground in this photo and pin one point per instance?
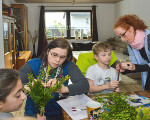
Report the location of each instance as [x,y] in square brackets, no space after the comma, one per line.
[102,78]
[11,94]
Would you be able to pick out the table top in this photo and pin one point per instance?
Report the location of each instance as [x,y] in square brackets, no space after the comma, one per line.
[145,93]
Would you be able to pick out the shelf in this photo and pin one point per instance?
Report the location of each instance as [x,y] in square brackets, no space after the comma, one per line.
[9,15]
[4,5]
[21,21]
[6,8]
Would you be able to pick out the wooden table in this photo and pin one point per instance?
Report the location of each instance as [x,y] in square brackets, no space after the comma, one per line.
[145,93]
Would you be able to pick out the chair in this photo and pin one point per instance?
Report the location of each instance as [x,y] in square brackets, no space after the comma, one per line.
[87,59]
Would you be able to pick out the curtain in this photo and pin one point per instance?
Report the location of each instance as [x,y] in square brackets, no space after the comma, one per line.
[94,25]
[42,40]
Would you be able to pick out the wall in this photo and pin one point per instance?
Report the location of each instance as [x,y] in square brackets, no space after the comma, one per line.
[2,65]
[105,21]
[138,7]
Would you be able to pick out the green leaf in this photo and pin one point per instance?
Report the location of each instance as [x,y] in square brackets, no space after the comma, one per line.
[141,113]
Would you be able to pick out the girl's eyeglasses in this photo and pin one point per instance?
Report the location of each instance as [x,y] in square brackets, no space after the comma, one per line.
[55,55]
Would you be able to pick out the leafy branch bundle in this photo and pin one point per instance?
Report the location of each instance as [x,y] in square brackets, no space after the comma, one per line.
[119,107]
[40,94]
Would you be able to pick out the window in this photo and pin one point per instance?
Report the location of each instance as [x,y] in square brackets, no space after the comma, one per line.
[65,23]
[87,20]
[55,24]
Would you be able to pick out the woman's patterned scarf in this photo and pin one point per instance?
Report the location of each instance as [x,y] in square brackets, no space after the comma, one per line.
[56,73]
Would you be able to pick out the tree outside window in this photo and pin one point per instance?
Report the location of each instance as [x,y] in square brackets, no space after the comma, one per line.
[64,23]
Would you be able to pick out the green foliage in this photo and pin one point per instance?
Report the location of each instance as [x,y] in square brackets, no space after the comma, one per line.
[60,27]
[49,34]
[40,94]
[84,35]
[118,106]
[143,113]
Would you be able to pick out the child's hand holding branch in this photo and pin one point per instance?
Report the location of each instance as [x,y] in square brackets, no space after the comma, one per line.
[112,84]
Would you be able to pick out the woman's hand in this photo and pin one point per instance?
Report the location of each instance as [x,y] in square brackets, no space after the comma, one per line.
[40,117]
[125,66]
[119,68]
[112,84]
[64,89]
[128,66]
[117,89]
[50,83]
[28,88]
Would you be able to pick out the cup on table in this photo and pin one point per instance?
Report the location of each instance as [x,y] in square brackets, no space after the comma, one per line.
[93,110]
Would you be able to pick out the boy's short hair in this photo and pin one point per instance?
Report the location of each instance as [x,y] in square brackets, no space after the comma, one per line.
[100,46]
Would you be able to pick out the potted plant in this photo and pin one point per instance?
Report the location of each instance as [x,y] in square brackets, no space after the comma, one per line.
[61,29]
[59,26]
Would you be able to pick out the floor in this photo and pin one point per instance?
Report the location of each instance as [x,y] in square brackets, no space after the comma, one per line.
[129,84]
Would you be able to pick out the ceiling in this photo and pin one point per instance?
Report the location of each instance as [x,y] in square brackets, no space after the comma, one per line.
[67,1]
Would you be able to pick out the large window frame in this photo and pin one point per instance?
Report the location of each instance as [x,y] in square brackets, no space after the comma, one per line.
[68,21]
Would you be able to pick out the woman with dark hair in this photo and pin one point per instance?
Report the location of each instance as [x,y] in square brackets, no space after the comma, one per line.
[132,29]
[58,55]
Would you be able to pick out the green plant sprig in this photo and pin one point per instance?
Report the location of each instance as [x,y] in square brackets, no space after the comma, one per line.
[143,113]
[119,110]
[40,94]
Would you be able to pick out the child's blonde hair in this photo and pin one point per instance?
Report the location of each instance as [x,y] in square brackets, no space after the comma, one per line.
[100,46]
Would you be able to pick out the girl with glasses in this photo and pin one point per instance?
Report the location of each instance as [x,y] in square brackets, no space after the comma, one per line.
[132,29]
[58,55]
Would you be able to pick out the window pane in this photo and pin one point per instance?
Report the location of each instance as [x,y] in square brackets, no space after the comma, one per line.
[55,24]
[80,21]
[6,40]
